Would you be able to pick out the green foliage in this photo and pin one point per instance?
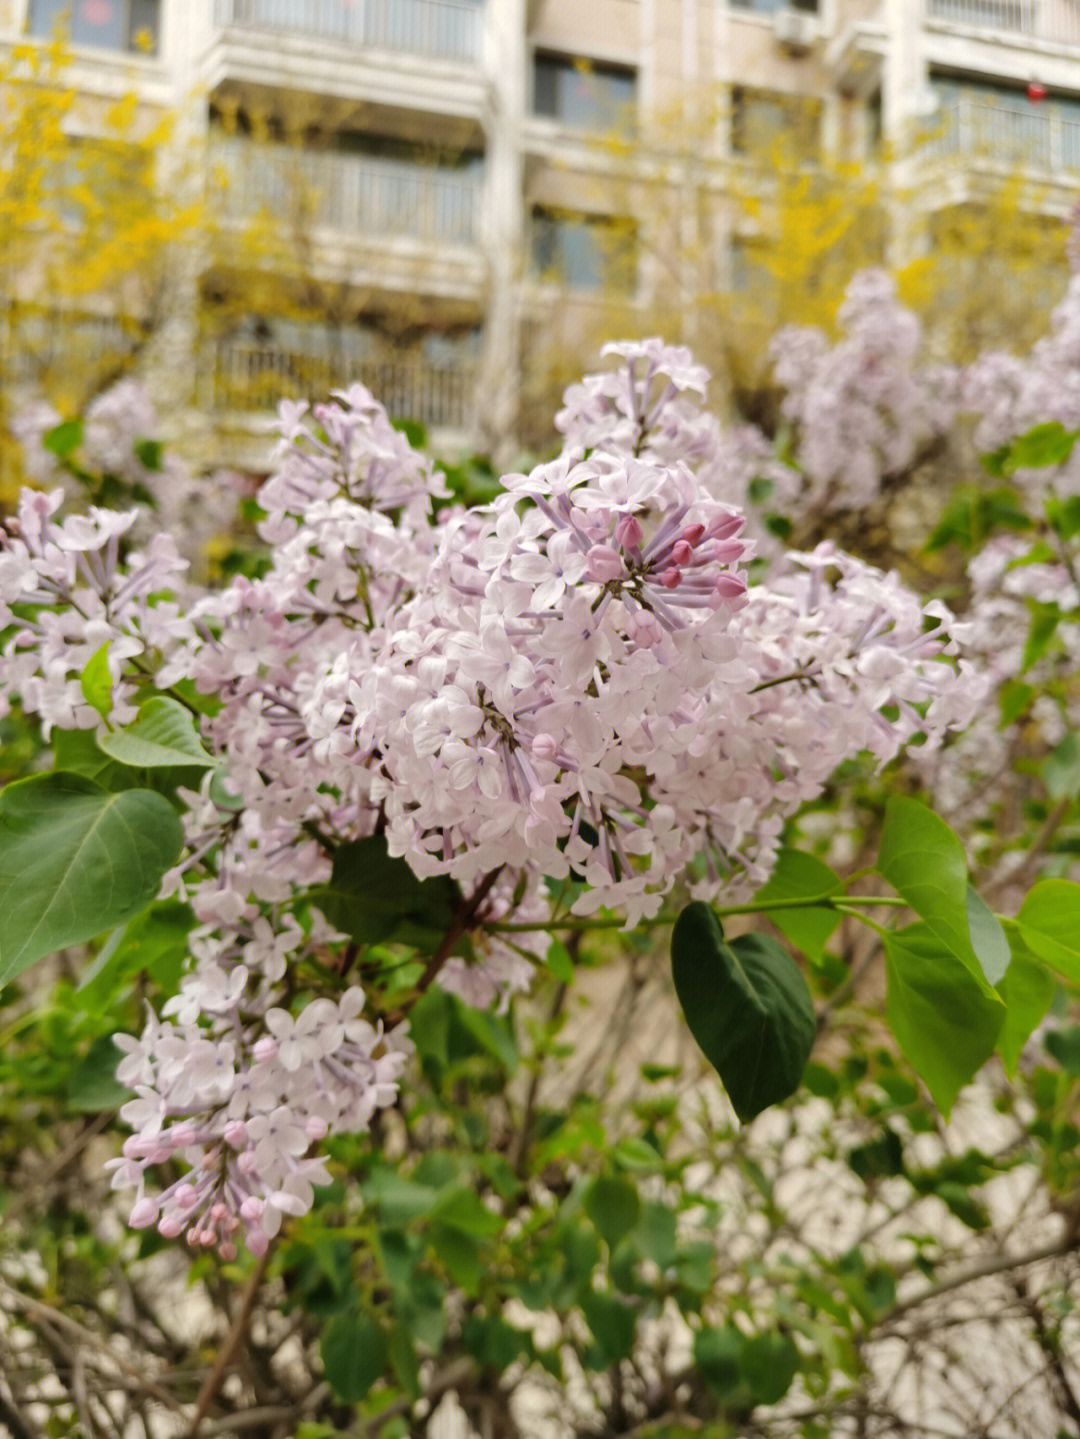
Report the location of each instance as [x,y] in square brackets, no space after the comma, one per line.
[76,860]
[747,1006]
[373,897]
[162,736]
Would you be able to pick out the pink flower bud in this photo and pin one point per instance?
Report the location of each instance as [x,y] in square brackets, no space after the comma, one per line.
[692,533]
[246,1162]
[252,1208]
[604,564]
[681,553]
[729,586]
[671,579]
[544,747]
[144,1213]
[185,1196]
[725,526]
[227,1249]
[265,1049]
[236,1133]
[181,1135]
[316,1127]
[257,1242]
[628,533]
[171,1226]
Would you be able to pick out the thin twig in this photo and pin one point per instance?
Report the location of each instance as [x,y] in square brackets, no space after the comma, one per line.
[233,1339]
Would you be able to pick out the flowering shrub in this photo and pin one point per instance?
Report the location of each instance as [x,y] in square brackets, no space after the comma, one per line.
[423,740]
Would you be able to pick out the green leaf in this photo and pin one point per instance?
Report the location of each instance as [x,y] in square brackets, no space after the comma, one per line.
[559,962]
[354,1353]
[1044,623]
[76,860]
[62,439]
[96,681]
[163,735]
[154,942]
[612,1323]
[370,894]
[149,453]
[987,937]
[459,1253]
[769,1365]
[799,875]
[404,1361]
[1047,444]
[613,1205]
[77,752]
[944,1019]
[718,1354]
[93,1086]
[1049,921]
[924,862]
[1027,989]
[463,1209]
[748,1007]
[1064,1046]
[1061,770]
[1014,697]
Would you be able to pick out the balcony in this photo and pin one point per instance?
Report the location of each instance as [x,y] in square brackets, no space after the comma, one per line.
[360,194]
[1053,22]
[1014,136]
[245,376]
[437,29]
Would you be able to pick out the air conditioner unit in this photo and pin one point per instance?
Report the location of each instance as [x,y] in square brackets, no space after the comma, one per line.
[796,30]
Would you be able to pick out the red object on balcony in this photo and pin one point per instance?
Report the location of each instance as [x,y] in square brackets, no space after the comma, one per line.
[1036,93]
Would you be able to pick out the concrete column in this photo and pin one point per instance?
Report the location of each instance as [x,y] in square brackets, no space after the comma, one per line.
[506,74]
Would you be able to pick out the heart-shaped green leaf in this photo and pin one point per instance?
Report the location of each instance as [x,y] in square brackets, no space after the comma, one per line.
[76,860]
[747,1006]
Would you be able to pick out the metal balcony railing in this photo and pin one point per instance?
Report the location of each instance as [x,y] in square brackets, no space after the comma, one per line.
[361,194]
[1055,21]
[437,29]
[1017,135]
[243,375]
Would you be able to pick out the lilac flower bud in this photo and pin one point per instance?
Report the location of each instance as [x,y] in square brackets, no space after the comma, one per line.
[235,1133]
[265,1049]
[545,747]
[628,532]
[605,564]
[144,1213]
[251,1209]
[681,553]
[671,579]
[171,1226]
[316,1127]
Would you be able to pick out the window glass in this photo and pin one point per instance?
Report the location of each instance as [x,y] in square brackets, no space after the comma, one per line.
[763,120]
[582,94]
[584,252]
[107,24]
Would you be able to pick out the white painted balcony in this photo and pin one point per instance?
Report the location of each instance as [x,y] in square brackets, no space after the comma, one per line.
[242,376]
[1053,22]
[1013,135]
[360,194]
[436,29]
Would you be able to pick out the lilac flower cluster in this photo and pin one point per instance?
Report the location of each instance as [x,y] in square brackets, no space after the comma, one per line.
[565,696]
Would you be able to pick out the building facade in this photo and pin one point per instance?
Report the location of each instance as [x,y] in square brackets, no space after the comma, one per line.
[437,187]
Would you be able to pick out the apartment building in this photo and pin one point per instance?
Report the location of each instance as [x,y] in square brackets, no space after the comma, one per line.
[446,185]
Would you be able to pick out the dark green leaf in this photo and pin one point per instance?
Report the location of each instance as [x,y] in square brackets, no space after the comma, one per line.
[1014,697]
[93,1085]
[1064,1045]
[403,1358]
[769,1365]
[354,1354]
[75,860]
[149,453]
[748,1007]
[459,1253]
[718,1354]
[370,894]
[612,1323]
[944,1019]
